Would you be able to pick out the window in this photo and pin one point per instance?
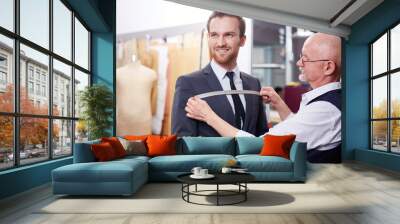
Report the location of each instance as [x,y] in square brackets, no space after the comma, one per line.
[62,137]
[3,61]
[55,102]
[62,74]
[44,91]
[3,72]
[7,142]
[7,14]
[37,75]
[34,21]
[3,78]
[81,45]
[385,97]
[62,29]
[81,81]
[45,131]
[33,149]
[30,87]
[6,75]
[30,72]
[38,89]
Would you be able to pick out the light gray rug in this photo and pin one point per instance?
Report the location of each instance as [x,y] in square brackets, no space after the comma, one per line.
[166,198]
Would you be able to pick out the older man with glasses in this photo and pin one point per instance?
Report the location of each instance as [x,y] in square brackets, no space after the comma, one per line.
[318,121]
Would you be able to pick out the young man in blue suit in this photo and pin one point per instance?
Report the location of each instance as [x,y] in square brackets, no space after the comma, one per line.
[245,112]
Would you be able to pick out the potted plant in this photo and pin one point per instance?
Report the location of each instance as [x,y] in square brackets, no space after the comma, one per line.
[96,102]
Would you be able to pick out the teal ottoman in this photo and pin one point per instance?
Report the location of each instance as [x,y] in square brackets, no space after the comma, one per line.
[119,177]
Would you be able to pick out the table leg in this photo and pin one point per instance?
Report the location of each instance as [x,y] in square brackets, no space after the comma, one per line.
[245,191]
[217,194]
[182,190]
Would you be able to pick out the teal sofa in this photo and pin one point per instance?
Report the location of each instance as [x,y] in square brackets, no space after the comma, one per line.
[125,176]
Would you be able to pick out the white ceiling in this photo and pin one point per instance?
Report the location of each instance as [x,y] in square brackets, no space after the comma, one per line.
[321,9]
[317,15]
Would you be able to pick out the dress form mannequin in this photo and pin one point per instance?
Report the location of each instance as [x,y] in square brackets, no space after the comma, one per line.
[136,94]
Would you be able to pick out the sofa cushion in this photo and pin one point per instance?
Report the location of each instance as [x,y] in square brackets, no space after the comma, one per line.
[206,145]
[277,145]
[132,158]
[185,163]
[136,137]
[83,152]
[249,145]
[116,145]
[94,172]
[257,163]
[161,145]
[134,147]
[111,171]
[103,152]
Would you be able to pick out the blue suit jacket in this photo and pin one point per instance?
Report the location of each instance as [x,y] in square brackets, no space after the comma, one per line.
[203,81]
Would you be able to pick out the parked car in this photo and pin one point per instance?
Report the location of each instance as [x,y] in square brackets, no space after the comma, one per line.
[22,155]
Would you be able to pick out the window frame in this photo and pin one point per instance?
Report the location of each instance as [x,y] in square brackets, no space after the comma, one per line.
[16,114]
[388,74]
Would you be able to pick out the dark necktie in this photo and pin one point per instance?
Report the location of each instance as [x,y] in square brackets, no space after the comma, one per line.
[240,114]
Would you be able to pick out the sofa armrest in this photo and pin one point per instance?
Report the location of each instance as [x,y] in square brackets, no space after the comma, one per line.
[298,155]
[83,152]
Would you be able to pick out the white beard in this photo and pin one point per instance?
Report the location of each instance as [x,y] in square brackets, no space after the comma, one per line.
[302,78]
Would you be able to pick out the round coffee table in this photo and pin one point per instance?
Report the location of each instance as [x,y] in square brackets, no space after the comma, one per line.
[238,179]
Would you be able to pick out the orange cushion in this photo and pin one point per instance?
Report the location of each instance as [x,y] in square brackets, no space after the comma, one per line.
[103,151]
[135,137]
[161,145]
[116,145]
[277,145]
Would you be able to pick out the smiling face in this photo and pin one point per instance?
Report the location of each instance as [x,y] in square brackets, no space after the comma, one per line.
[224,40]
[310,71]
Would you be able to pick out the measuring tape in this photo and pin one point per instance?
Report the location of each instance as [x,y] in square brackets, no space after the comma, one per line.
[227,92]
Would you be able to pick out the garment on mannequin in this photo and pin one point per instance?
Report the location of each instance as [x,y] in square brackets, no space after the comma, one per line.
[136,97]
[134,58]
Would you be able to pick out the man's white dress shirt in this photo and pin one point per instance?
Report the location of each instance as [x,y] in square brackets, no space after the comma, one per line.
[318,124]
[220,72]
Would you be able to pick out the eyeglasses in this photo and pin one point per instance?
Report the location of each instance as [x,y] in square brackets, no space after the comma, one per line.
[302,59]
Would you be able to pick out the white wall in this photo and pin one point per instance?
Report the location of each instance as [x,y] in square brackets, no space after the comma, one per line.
[244,58]
[139,15]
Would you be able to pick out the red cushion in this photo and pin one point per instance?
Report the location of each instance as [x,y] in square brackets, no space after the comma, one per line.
[161,145]
[277,145]
[116,145]
[136,137]
[103,151]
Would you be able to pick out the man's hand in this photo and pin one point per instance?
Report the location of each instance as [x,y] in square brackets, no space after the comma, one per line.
[270,96]
[198,109]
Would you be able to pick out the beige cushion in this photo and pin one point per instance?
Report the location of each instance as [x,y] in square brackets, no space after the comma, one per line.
[133,147]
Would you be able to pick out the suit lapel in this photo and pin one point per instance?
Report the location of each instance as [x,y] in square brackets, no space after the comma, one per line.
[249,102]
[220,103]
[212,80]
